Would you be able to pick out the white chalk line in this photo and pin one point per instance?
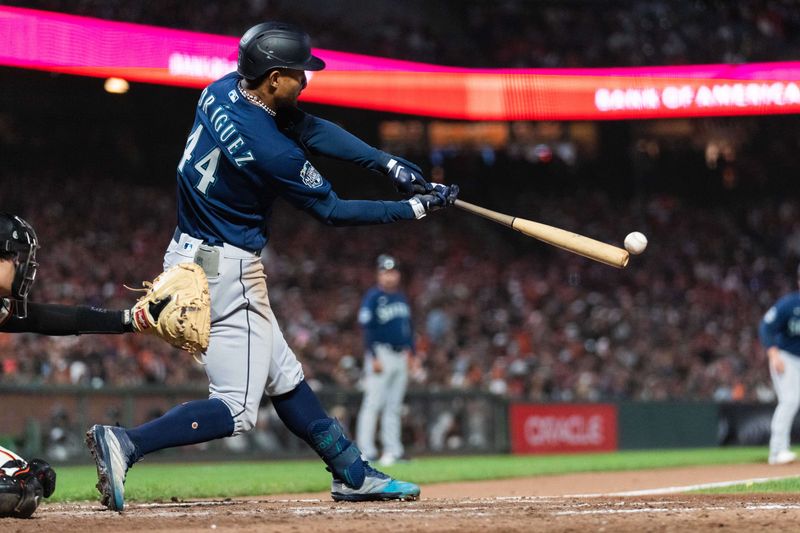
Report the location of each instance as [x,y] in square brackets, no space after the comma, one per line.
[644,510]
[684,488]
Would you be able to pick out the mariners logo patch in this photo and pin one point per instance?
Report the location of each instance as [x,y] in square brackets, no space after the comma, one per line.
[311,177]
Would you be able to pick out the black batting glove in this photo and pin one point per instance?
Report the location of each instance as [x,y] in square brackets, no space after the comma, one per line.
[406,176]
[440,197]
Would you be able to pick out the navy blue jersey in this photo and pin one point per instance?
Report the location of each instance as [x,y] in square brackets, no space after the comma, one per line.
[386,318]
[237,162]
[781,324]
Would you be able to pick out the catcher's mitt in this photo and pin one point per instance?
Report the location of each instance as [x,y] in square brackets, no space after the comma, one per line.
[177,308]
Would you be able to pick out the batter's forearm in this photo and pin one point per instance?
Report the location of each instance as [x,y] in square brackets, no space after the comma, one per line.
[336,212]
[54,319]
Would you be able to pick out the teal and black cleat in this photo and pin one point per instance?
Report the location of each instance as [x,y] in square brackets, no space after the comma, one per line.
[114,454]
[377,486]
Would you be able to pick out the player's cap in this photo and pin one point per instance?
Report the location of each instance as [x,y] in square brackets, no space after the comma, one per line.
[386,262]
[271,45]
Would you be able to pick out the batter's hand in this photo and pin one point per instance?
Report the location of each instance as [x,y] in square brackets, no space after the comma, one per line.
[441,196]
[407,177]
[775,359]
[377,366]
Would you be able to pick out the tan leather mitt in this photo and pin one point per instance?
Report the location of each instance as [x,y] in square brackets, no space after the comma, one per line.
[177,308]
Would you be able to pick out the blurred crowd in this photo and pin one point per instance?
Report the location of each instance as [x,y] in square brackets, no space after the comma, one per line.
[493,310]
[506,34]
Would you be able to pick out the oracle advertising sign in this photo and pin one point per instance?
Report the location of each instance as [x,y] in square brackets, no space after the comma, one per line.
[563,428]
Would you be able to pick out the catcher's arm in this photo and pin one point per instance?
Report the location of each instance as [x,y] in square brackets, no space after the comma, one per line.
[54,319]
[186,305]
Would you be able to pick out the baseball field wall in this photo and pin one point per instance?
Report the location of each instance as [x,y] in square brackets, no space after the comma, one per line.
[602,427]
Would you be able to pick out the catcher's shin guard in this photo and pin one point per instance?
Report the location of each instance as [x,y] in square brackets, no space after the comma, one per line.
[342,456]
[19,496]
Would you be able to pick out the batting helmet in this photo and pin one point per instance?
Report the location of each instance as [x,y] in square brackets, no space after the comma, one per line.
[272,45]
[18,241]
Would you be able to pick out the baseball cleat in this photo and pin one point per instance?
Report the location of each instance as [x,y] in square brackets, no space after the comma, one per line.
[783,458]
[377,486]
[114,454]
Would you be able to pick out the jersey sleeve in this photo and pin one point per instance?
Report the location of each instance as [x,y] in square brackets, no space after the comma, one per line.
[774,322]
[296,179]
[55,319]
[322,137]
[305,188]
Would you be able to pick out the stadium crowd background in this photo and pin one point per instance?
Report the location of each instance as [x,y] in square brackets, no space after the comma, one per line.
[506,34]
[493,311]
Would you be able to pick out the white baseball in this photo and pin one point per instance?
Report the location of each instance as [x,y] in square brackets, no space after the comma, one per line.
[635,242]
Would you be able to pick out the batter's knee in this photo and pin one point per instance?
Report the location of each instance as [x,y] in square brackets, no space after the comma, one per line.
[243,423]
[244,419]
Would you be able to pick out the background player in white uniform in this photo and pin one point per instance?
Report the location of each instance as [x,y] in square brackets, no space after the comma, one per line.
[780,334]
[246,149]
[385,317]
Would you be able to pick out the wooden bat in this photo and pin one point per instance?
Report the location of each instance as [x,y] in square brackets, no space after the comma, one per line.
[566,240]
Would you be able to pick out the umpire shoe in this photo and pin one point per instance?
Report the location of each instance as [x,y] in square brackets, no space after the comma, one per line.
[114,453]
[377,487]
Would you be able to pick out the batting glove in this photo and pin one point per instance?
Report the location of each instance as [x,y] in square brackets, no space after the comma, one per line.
[441,196]
[406,176]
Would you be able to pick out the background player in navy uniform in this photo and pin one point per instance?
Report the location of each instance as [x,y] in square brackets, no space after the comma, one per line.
[23,483]
[240,157]
[385,317]
[780,334]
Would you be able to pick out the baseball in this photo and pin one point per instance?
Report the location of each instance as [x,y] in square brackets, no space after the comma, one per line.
[635,242]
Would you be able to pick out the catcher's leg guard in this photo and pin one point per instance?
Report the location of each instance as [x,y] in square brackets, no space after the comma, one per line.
[19,496]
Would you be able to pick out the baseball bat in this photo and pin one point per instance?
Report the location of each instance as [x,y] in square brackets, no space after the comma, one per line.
[566,240]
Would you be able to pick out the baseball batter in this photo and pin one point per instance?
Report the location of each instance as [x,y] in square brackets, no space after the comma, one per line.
[245,149]
[385,317]
[780,334]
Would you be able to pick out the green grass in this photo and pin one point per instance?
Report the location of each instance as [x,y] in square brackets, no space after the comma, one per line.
[154,481]
[780,485]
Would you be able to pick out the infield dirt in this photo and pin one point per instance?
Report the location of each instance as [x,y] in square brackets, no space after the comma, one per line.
[577,502]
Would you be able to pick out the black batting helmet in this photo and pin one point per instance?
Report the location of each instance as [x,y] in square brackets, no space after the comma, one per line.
[18,241]
[272,45]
